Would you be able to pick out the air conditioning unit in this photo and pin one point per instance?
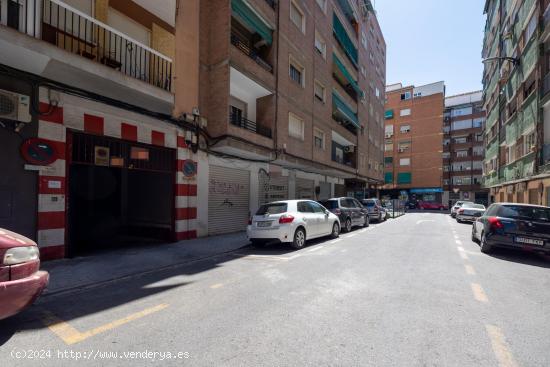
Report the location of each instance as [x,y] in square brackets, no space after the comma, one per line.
[401,150]
[349,149]
[14,106]
[389,135]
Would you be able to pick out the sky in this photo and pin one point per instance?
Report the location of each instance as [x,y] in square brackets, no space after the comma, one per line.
[433,40]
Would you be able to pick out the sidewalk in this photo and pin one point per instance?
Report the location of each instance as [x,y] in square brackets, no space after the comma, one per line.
[82,272]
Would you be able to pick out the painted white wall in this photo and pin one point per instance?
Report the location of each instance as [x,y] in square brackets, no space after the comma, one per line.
[164,9]
[128,26]
[429,89]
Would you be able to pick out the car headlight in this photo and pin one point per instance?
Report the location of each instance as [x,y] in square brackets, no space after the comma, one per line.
[17,255]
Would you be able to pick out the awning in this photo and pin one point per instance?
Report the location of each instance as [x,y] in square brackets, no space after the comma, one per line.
[347,75]
[346,8]
[342,107]
[388,177]
[248,17]
[388,114]
[343,38]
[404,178]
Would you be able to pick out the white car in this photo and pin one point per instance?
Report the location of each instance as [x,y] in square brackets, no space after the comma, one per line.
[469,212]
[293,222]
[458,205]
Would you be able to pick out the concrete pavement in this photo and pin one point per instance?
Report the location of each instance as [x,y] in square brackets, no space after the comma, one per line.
[413,291]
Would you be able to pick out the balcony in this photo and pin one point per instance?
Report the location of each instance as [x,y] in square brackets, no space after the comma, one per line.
[59,42]
[344,114]
[344,40]
[237,120]
[345,78]
[242,45]
[343,151]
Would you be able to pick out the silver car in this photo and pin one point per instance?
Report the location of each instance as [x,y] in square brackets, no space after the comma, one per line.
[469,212]
[293,222]
[457,206]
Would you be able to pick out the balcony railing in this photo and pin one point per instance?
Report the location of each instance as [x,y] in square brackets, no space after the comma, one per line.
[546,84]
[271,3]
[249,125]
[248,51]
[68,28]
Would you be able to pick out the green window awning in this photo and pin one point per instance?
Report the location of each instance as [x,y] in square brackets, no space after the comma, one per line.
[388,177]
[340,105]
[388,160]
[340,65]
[344,40]
[388,114]
[248,17]
[346,8]
[404,177]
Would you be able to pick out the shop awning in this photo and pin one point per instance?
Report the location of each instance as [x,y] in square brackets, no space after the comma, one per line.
[243,11]
[340,65]
[388,114]
[343,38]
[388,177]
[345,110]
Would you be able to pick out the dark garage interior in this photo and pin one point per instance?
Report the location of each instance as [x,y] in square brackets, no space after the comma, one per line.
[120,194]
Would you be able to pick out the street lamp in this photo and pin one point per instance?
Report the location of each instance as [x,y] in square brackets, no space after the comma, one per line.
[513,60]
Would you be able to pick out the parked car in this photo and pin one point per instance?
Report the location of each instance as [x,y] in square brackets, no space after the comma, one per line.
[21,282]
[430,205]
[469,212]
[375,209]
[293,222]
[457,206]
[410,204]
[349,210]
[516,226]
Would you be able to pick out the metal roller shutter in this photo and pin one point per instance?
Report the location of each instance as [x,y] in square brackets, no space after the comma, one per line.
[228,200]
[273,187]
[305,188]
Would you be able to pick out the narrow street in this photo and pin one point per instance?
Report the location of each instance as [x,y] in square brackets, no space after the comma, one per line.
[412,291]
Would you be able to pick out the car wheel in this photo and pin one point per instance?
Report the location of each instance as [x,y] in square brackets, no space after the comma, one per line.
[299,239]
[257,243]
[485,247]
[474,239]
[458,220]
[347,225]
[335,230]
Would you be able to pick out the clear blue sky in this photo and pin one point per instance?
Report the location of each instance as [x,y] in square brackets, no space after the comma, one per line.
[433,40]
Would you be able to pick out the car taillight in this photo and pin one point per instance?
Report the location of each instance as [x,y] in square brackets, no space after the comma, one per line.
[286,218]
[250,221]
[495,223]
[337,211]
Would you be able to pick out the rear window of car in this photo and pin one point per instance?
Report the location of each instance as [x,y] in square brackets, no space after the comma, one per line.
[274,208]
[368,202]
[472,205]
[329,204]
[525,212]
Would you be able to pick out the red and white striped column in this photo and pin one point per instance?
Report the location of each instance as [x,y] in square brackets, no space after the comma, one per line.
[186,195]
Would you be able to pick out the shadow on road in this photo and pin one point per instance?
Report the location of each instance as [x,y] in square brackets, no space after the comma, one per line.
[522,257]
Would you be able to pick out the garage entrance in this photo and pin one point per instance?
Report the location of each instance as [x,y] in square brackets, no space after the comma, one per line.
[120,193]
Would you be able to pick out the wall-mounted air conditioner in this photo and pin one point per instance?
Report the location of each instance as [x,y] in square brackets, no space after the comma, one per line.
[14,106]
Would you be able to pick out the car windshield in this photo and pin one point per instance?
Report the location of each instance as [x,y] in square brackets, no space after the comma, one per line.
[525,212]
[329,204]
[273,208]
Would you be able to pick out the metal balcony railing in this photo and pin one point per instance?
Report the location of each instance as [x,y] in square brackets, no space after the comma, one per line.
[249,125]
[74,31]
[248,51]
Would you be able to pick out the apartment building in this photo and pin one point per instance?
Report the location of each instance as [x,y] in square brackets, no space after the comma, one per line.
[463,127]
[413,153]
[515,86]
[91,156]
[293,92]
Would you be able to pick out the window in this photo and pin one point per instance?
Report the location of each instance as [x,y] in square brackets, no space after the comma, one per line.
[478,122]
[405,162]
[388,147]
[461,153]
[405,112]
[417,94]
[322,4]
[404,146]
[319,138]
[364,39]
[460,140]
[405,96]
[320,45]
[297,16]
[531,27]
[461,111]
[377,92]
[405,129]
[529,143]
[296,72]
[388,131]
[295,126]
[462,124]
[319,90]
[364,71]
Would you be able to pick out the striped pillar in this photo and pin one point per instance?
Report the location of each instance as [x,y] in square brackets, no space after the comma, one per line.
[52,187]
[186,196]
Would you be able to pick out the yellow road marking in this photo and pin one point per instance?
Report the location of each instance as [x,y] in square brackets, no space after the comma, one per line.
[217,285]
[470,270]
[479,293]
[70,335]
[500,347]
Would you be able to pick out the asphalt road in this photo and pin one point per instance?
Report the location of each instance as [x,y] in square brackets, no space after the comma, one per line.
[413,291]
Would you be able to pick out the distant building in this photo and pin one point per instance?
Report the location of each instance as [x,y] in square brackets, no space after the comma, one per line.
[515,95]
[413,158]
[463,124]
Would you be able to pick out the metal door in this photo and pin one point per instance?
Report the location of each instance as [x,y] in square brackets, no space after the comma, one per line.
[228,200]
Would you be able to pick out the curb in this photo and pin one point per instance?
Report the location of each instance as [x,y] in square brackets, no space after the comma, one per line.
[74,289]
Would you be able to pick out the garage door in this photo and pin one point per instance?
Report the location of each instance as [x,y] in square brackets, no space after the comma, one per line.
[273,187]
[228,200]
[305,188]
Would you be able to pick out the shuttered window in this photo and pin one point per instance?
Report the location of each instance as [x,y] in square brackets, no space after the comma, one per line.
[295,126]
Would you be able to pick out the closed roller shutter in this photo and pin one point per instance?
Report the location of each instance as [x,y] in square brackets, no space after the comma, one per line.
[228,200]
[305,188]
[273,187]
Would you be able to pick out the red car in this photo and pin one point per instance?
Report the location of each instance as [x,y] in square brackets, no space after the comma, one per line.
[20,280]
[431,205]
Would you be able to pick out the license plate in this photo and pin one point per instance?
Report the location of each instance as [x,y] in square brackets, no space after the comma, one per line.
[530,241]
[264,224]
